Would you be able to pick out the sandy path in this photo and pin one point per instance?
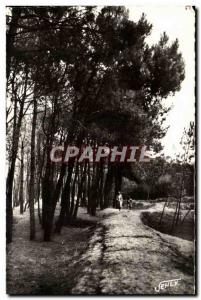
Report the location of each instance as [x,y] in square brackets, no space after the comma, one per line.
[127,257]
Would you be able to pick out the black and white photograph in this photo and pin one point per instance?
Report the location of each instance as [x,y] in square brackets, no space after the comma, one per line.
[100,150]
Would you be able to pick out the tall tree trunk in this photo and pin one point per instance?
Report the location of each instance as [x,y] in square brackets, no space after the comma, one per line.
[101,185]
[9,181]
[80,190]
[73,190]
[83,200]
[108,185]
[65,199]
[40,162]
[46,194]
[27,181]
[118,182]
[88,187]
[94,194]
[52,198]
[16,191]
[32,172]
[21,193]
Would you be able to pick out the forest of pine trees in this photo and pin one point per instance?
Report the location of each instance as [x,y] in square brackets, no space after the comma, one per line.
[75,76]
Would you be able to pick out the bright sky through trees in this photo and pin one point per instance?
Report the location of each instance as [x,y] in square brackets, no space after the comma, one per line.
[177,22]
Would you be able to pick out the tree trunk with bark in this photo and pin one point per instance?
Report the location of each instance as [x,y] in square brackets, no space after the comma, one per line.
[80,190]
[76,175]
[21,193]
[101,185]
[65,199]
[32,172]
[108,185]
[10,178]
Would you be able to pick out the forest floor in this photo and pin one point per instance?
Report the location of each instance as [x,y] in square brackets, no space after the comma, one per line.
[45,268]
[118,255]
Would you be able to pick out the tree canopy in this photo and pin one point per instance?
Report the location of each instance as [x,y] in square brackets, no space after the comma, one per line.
[82,75]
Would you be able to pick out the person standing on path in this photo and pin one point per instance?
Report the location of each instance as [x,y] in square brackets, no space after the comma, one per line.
[119,200]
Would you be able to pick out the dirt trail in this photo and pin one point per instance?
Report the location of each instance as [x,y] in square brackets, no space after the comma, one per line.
[127,257]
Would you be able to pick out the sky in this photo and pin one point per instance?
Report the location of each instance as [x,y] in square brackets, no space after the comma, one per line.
[177,22]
